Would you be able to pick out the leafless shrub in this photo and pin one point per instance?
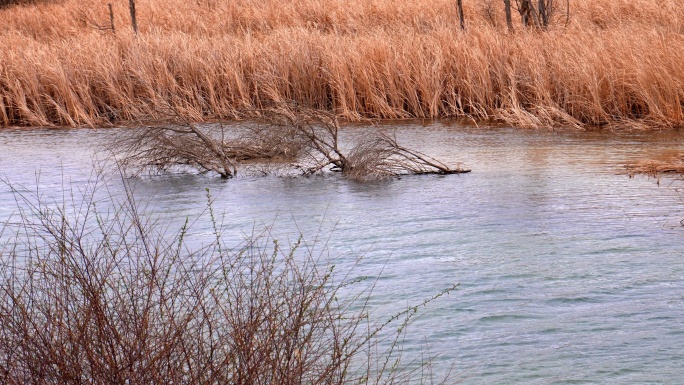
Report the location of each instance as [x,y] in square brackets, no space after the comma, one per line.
[208,148]
[657,168]
[376,156]
[307,139]
[487,10]
[540,15]
[110,298]
[168,146]
[259,143]
[380,156]
[319,131]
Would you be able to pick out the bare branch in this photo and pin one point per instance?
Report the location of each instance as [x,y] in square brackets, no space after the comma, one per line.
[305,139]
[381,156]
[121,299]
[378,156]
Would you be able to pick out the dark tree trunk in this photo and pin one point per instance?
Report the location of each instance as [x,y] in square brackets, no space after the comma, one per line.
[526,12]
[509,20]
[131,6]
[460,13]
[543,13]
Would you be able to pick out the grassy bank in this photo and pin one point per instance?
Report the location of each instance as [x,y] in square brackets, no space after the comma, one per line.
[614,62]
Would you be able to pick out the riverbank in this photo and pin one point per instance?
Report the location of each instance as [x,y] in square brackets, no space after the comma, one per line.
[612,63]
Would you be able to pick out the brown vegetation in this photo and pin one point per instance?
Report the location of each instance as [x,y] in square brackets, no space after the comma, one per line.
[109,297]
[612,62]
[656,167]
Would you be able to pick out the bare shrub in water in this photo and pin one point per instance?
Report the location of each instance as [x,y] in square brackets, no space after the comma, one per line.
[88,296]
[208,148]
[174,145]
[657,168]
[375,156]
[380,156]
[305,138]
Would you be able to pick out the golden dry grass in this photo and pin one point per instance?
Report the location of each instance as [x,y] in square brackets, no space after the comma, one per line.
[656,167]
[616,62]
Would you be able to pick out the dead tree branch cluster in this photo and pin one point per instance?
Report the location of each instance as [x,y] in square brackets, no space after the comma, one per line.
[86,18]
[533,13]
[205,149]
[303,139]
[538,16]
[375,156]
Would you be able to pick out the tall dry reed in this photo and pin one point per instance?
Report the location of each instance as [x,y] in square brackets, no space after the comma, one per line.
[612,62]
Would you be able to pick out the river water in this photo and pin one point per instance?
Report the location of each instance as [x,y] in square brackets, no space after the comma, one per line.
[569,271]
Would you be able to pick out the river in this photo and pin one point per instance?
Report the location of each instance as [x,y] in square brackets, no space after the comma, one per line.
[568,270]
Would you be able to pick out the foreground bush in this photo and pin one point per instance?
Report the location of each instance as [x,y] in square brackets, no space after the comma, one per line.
[109,298]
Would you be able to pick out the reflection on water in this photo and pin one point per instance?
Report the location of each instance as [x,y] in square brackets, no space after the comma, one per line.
[569,271]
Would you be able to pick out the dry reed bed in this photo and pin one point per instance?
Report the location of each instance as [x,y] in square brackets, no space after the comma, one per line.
[615,62]
[656,167]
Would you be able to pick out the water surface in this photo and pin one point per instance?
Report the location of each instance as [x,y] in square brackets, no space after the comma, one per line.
[568,270]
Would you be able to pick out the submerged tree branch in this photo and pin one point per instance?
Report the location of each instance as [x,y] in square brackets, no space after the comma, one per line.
[305,139]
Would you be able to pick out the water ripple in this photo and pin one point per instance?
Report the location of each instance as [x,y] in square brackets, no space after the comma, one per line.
[569,271]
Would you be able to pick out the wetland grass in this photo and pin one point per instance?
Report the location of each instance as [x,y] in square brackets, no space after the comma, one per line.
[657,167]
[612,63]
